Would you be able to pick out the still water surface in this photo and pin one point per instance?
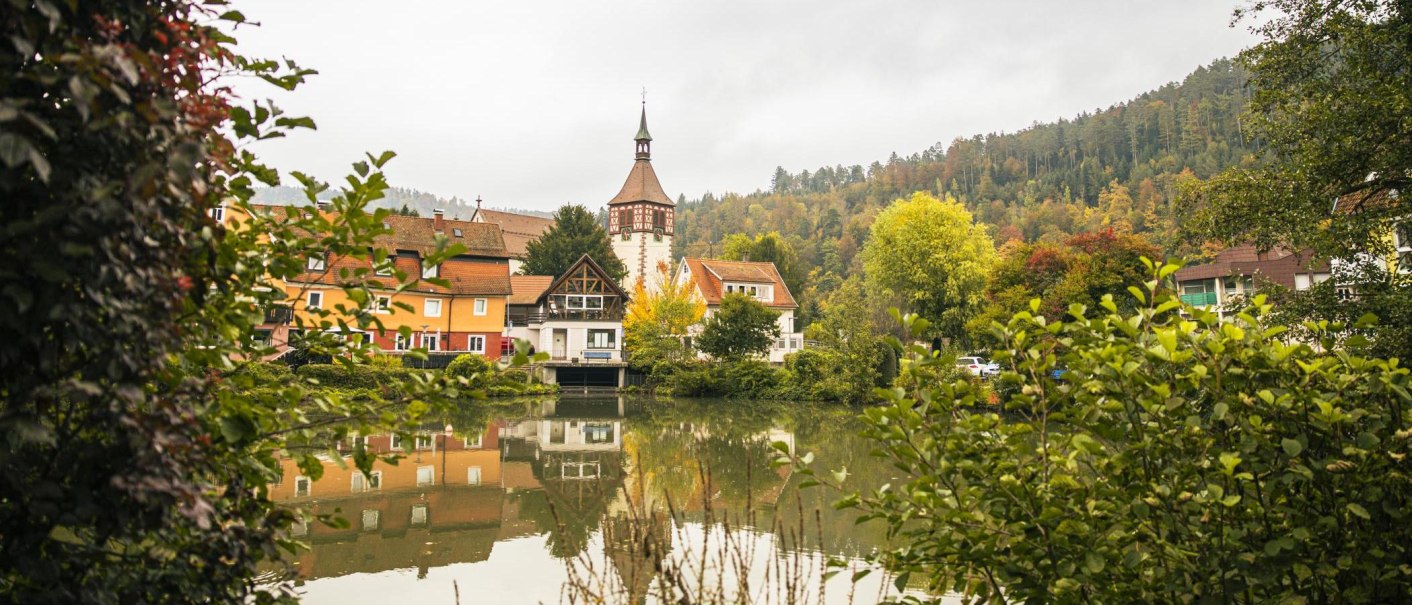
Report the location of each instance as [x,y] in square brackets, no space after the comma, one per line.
[494,510]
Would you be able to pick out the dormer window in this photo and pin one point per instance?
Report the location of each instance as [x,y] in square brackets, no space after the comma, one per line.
[218,213]
[430,271]
[456,232]
[315,262]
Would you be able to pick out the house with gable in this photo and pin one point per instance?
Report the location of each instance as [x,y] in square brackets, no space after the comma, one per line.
[577,318]
[759,280]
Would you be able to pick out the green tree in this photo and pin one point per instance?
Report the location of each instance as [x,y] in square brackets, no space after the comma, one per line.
[574,233]
[1333,104]
[1180,458]
[657,322]
[139,444]
[933,255]
[742,327]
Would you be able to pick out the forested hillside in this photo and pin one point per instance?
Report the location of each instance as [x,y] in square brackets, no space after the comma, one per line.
[1117,168]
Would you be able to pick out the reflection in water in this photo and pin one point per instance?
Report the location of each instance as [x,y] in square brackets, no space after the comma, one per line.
[493,512]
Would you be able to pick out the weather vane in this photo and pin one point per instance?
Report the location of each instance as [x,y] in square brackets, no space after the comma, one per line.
[644,95]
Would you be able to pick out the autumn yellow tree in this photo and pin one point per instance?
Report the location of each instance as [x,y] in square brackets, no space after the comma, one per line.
[657,320]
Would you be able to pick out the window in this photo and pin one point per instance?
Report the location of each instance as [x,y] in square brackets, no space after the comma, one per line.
[419,514]
[429,342]
[362,483]
[218,213]
[316,300]
[579,470]
[473,475]
[482,306]
[456,232]
[314,263]
[472,444]
[426,475]
[1404,235]
[386,269]
[625,220]
[475,344]
[1346,293]
[423,442]
[401,343]
[579,302]
[602,339]
[432,307]
[302,486]
[370,519]
[430,271]
[598,433]
[396,443]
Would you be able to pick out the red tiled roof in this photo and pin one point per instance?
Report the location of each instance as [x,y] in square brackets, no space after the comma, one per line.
[1278,264]
[518,230]
[526,289]
[709,275]
[642,186]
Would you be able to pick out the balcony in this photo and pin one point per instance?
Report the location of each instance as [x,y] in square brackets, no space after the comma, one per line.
[514,318]
[1204,299]
[279,315]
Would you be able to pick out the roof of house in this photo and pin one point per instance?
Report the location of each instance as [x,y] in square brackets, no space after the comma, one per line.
[710,275]
[518,229]
[526,289]
[642,186]
[480,269]
[593,264]
[1247,259]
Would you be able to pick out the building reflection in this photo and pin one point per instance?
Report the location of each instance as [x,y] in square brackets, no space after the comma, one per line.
[566,469]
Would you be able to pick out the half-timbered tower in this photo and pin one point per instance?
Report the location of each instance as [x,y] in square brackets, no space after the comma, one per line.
[640,217]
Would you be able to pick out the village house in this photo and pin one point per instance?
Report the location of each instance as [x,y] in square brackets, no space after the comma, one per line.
[714,279]
[577,318]
[1239,271]
[467,315]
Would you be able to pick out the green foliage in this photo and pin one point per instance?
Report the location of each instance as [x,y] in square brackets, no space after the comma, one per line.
[930,253]
[1181,458]
[740,328]
[575,233]
[1333,105]
[138,447]
[361,376]
[475,368]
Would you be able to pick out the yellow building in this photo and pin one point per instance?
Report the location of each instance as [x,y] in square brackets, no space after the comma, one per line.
[466,315]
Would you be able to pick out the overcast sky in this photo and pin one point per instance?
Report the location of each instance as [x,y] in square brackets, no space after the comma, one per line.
[533,104]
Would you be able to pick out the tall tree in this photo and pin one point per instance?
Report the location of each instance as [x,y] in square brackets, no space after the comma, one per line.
[742,327]
[1333,105]
[933,255]
[575,233]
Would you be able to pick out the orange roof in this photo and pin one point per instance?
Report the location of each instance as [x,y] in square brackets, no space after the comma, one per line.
[642,186]
[526,289]
[518,230]
[709,275]
[419,234]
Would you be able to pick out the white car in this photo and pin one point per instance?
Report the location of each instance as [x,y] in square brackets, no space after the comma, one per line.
[978,366]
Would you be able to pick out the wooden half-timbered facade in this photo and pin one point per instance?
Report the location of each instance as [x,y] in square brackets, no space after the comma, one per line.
[577,318]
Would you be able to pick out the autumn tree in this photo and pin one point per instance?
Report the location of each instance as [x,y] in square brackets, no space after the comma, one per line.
[657,320]
[574,233]
[740,328]
[933,255]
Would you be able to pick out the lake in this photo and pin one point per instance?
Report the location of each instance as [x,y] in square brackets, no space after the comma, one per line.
[599,493]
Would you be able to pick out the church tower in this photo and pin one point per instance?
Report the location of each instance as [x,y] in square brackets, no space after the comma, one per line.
[640,217]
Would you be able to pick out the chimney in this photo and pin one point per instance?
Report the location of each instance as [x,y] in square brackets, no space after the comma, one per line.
[438,220]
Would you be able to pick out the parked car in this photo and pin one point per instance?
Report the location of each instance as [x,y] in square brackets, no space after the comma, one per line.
[978,366]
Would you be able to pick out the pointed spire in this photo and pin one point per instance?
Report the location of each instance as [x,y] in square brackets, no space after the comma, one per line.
[642,134]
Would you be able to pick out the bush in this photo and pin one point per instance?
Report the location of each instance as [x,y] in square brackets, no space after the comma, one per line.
[475,368]
[360,376]
[808,366]
[749,379]
[1181,458]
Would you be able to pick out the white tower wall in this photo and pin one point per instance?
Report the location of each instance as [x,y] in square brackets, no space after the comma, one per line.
[642,253]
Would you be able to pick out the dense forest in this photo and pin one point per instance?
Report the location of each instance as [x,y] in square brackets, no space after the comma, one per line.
[1118,168]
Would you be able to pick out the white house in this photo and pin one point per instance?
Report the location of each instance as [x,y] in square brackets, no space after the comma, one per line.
[577,318]
[716,278]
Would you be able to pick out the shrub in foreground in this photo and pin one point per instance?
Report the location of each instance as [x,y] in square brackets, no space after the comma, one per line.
[1180,458]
